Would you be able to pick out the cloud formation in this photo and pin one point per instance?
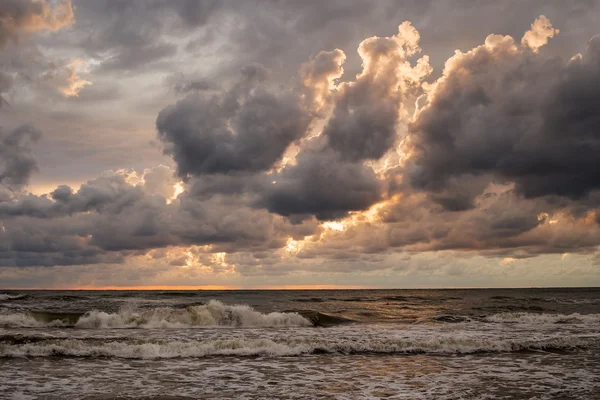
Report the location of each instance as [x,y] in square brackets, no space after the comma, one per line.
[22,63]
[339,161]
[247,128]
[329,179]
[541,30]
[504,111]
[363,124]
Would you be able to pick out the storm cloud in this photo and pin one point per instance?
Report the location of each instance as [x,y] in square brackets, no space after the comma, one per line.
[508,112]
[225,139]
[246,128]
[322,184]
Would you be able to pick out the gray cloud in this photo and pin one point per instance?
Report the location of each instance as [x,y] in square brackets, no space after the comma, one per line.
[247,128]
[132,35]
[17,161]
[510,113]
[363,124]
[500,224]
[6,82]
[18,17]
[501,115]
[108,219]
[323,185]
[188,86]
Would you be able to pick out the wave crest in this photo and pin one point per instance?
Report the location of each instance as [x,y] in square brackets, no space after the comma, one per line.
[214,313]
[9,297]
[282,347]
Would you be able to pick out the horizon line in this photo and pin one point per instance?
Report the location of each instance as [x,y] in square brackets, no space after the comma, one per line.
[287,287]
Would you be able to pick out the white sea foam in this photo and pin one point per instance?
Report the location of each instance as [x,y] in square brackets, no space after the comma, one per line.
[531,318]
[5,297]
[137,349]
[214,313]
[26,321]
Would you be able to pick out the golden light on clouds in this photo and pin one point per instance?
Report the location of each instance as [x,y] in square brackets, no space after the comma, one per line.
[74,83]
[42,17]
[152,287]
[541,30]
[339,226]
[293,246]
[507,260]
[372,139]
[319,75]
[189,262]
[179,188]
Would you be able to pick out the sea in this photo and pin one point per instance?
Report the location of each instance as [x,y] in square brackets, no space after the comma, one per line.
[301,344]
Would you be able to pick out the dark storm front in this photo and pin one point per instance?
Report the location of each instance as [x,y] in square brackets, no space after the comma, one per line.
[408,344]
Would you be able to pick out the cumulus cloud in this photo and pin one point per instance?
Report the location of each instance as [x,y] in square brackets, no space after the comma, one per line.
[246,128]
[328,178]
[512,115]
[366,112]
[321,184]
[319,75]
[160,180]
[541,30]
[326,172]
[109,219]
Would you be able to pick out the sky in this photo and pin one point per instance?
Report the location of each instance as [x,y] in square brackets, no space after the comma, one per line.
[288,144]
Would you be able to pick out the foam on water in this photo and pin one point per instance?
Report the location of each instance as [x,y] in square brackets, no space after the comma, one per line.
[214,313]
[530,318]
[26,321]
[420,345]
[140,349]
[8,297]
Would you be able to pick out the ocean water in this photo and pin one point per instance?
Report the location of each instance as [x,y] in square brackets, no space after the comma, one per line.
[325,344]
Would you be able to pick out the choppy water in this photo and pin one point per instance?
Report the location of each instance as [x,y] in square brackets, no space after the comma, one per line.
[347,344]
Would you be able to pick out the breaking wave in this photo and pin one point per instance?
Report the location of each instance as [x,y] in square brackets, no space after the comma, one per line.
[8,297]
[214,313]
[139,349]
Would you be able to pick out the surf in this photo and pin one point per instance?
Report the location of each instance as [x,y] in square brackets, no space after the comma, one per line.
[282,347]
[213,314]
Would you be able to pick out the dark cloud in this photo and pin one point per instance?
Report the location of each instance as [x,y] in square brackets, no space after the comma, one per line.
[108,219]
[105,195]
[499,162]
[323,185]
[504,111]
[366,112]
[230,184]
[500,224]
[247,128]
